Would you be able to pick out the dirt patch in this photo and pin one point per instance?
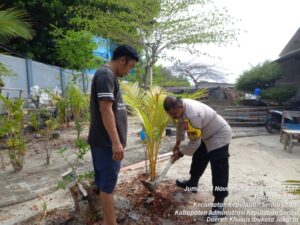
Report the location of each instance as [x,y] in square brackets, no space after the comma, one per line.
[255,162]
[145,208]
[154,206]
[62,216]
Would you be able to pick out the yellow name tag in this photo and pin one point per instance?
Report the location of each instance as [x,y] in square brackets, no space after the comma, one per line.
[192,132]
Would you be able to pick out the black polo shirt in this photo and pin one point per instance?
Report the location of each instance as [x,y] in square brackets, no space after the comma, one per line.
[105,86]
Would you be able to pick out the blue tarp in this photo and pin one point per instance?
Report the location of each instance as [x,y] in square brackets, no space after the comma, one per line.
[292,126]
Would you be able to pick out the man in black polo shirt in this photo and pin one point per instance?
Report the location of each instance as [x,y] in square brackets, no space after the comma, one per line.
[108,127]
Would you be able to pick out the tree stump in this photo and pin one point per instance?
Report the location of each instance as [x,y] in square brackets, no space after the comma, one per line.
[86,200]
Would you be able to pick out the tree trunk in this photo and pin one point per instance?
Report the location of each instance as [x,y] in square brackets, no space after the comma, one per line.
[148,76]
[141,77]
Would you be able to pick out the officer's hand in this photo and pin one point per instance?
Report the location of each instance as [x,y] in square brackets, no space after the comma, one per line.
[118,152]
[176,148]
[175,156]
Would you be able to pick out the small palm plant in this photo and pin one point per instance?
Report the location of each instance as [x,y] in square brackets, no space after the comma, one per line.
[147,105]
[295,184]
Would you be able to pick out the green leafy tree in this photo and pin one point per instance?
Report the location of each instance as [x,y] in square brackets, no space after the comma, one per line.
[156,26]
[279,94]
[261,76]
[264,76]
[165,78]
[162,77]
[75,49]
[44,17]
[178,26]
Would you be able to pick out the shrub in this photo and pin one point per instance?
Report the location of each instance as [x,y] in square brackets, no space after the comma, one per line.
[261,76]
[279,94]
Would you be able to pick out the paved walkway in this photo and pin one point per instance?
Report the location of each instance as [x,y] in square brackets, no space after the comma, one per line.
[41,180]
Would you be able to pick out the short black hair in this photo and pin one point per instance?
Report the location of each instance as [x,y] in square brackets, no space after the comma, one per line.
[172,102]
[125,51]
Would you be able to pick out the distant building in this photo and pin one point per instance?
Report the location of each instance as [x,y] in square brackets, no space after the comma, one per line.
[203,84]
[216,91]
[289,60]
[104,51]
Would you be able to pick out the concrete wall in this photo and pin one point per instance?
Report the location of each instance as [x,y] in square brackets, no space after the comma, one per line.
[31,73]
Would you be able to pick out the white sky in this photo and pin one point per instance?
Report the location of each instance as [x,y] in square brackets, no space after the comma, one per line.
[268,25]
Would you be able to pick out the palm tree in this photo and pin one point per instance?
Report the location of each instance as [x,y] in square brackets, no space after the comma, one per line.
[147,106]
[295,184]
[13,24]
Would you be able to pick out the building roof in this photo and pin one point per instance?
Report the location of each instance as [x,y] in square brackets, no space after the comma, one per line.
[292,55]
[292,46]
[206,84]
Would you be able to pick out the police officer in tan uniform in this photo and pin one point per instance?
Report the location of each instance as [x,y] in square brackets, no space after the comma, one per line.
[209,136]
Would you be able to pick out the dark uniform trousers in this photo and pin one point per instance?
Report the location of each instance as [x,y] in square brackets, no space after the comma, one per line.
[218,159]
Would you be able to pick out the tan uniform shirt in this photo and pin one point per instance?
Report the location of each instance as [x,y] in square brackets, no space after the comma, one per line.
[199,118]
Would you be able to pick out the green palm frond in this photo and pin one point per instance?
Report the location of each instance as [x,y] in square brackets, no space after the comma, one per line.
[147,106]
[13,24]
[295,184]
[201,93]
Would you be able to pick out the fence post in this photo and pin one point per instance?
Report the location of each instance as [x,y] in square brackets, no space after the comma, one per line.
[62,81]
[29,74]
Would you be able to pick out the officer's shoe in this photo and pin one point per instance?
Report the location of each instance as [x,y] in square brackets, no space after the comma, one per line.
[188,185]
[215,215]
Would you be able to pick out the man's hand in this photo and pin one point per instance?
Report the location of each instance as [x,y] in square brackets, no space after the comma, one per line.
[118,152]
[176,148]
[176,155]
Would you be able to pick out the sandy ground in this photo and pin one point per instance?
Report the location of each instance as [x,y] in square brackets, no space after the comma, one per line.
[258,167]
